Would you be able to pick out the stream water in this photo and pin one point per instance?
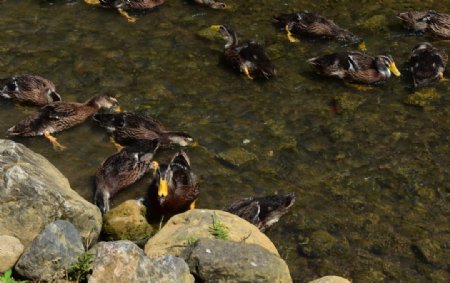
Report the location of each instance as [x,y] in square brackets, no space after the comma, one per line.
[370,168]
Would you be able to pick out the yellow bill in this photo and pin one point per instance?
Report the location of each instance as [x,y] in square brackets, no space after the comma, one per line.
[394,69]
[163,189]
[92,2]
[117,109]
[289,35]
[215,27]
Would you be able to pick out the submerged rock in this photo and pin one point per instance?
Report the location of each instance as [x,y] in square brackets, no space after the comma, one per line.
[127,222]
[34,193]
[214,260]
[183,229]
[51,253]
[123,261]
[320,243]
[330,279]
[236,156]
[10,250]
[423,97]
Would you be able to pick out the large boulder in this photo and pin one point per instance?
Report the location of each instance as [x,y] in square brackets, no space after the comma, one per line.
[51,253]
[123,261]
[34,193]
[194,224]
[127,222]
[214,260]
[10,250]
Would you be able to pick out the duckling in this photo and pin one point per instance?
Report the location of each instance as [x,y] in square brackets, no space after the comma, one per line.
[175,186]
[123,169]
[427,64]
[430,22]
[356,67]
[58,116]
[313,25]
[127,127]
[262,211]
[28,89]
[248,57]
[212,3]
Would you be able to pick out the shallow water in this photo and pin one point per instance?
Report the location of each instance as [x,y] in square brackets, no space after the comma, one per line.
[371,179]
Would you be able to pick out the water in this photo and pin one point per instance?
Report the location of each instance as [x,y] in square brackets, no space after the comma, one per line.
[371,179]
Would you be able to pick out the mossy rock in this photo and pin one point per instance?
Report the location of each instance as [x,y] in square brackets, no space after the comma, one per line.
[423,97]
[320,243]
[374,23]
[236,156]
[348,102]
[127,222]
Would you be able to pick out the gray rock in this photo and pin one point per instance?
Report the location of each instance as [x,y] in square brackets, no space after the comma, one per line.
[10,250]
[330,279]
[34,193]
[214,260]
[123,261]
[51,253]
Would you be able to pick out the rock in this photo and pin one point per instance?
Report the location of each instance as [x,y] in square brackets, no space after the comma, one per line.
[236,156]
[184,228]
[123,261]
[320,243]
[127,222]
[427,250]
[330,279]
[213,260]
[34,193]
[374,23]
[10,250]
[348,102]
[423,97]
[51,253]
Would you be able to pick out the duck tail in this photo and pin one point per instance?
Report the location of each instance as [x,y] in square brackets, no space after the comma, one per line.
[101,199]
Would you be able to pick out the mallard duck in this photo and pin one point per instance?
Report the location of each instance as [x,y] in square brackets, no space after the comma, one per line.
[314,25]
[430,22]
[356,67]
[427,64]
[58,116]
[124,5]
[215,4]
[262,211]
[33,90]
[248,57]
[175,186]
[123,169]
[127,127]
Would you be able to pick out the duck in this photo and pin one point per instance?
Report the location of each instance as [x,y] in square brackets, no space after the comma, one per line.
[248,57]
[29,89]
[125,5]
[313,25]
[356,67]
[428,22]
[58,116]
[127,127]
[212,3]
[427,64]
[262,211]
[123,169]
[175,187]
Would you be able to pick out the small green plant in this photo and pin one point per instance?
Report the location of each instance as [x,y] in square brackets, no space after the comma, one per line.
[218,229]
[6,278]
[192,240]
[80,270]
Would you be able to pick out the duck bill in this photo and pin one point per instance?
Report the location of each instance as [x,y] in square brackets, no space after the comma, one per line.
[394,69]
[215,27]
[163,189]
[117,109]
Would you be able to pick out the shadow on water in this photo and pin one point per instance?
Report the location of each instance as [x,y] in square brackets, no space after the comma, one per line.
[370,169]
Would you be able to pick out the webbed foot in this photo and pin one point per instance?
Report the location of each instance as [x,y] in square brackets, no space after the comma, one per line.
[290,36]
[247,72]
[362,46]
[92,2]
[118,146]
[56,145]
[192,206]
[126,15]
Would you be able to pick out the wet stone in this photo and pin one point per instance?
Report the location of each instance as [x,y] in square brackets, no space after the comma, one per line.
[320,243]
[236,156]
[427,250]
[10,250]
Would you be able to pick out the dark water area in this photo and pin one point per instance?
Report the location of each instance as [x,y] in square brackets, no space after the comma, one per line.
[370,168]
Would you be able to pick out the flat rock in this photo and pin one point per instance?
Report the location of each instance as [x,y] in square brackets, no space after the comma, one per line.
[124,261]
[213,260]
[10,250]
[236,156]
[194,224]
[127,221]
[34,193]
[330,279]
[51,253]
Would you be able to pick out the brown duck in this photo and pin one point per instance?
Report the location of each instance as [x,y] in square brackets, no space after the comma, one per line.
[247,57]
[262,211]
[356,67]
[128,127]
[175,187]
[429,22]
[427,64]
[313,25]
[123,169]
[58,116]
[28,89]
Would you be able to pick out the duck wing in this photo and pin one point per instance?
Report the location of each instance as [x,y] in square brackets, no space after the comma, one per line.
[254,55]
